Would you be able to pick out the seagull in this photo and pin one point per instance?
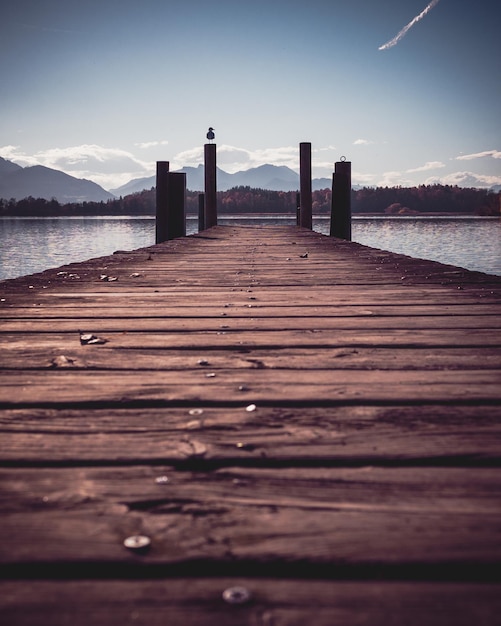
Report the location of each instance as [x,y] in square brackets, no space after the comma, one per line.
[210,134]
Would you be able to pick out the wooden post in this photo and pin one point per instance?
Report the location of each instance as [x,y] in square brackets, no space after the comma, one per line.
[176,225]
[210,185]
[298,207]
[201,212]
[171,203]
[305,212]
[341,200]
[162,200]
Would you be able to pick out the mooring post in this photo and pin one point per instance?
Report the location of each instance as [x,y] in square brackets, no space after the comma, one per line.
[162,201]
[171,203]
[305,211]
[210,185]
[201,212]
[176,224]
[341,200]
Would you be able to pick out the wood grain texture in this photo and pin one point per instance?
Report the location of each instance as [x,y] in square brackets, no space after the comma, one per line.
[361,487]
[108,357]
[452,434]
[235,323]
[198,602]
[227,387]
[297,517]
[262,309]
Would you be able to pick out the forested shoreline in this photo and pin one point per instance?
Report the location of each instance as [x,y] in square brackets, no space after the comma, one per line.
[425,199]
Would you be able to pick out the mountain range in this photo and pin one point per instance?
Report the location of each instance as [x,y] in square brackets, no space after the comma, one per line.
[43,182]
[272,177]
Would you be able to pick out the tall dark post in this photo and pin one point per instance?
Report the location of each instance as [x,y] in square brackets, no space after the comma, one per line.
[341,200]
[201,212]
[162,200]
[210,185]
[176,217]
[171,203]
[305,212]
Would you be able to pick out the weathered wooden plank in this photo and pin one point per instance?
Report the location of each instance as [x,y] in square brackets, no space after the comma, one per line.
[49,290]
[328,377]
[220,278]
[237,323]
[331,267]
[261,308]
[174,294]
[63,386]
[364,358]
[453,434]
[199,602]
[443,521]
[225,338]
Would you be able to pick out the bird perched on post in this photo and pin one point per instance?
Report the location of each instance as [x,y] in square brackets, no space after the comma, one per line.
[210,134]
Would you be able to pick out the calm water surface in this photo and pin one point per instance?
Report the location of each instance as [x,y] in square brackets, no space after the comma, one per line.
[33,245]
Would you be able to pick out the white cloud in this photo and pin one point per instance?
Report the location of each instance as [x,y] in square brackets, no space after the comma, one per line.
[151,144]
[285,155]
[362,179]
[465,179]
[495,154]
[459,179]
[233,159]
[9,152]
[394,179]
[189,158]
[430,165]
[362,142]
[398,178]
[326,149]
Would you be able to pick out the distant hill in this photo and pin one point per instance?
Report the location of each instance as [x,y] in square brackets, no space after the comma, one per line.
[7,167]
[135,185]
[270,177]
[43,182]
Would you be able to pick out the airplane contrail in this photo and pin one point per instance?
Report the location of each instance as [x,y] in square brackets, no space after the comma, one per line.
[405,29]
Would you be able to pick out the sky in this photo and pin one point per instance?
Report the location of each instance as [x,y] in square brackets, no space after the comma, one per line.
[409,91]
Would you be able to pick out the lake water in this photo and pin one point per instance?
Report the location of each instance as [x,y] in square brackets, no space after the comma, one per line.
[30,245]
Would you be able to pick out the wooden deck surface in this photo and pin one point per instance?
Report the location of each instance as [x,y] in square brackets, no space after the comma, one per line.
[309,419]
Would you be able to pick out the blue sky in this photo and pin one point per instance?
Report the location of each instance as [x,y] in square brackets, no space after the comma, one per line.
[102,89]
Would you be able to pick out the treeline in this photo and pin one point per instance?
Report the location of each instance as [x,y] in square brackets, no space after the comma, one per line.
[379,200]
[426,199]
[142,203]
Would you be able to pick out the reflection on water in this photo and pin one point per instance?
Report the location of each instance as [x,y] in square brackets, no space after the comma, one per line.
[32,245]
[473,243]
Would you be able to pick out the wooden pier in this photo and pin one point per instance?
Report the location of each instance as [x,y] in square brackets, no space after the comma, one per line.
[251,426]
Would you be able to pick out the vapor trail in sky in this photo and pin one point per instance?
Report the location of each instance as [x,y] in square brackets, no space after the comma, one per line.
[405,29]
